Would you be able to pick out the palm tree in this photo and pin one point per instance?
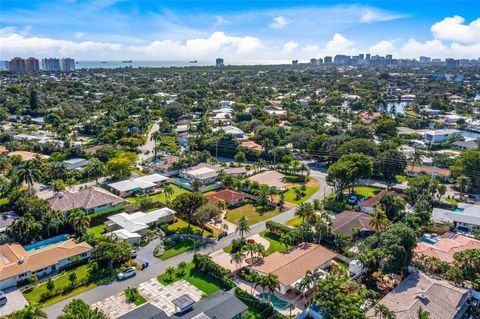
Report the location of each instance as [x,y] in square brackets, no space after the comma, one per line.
[262,193]
[271,283]
[416,158]
[242,226]
[305,211]
[254,278]
[28,172]
[238,258]
[170,271]
[423,314]
[95,169]
[54,220]
[156,136]
[57,186]
[24,229]
[317,205]
[379,220]
[272,192]
[196,185]
[78,220]
[168,191]
[182,267]
[462,182]
[383,312]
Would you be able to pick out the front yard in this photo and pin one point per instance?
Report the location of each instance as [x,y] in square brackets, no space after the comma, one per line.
[250,212]
[275,243]
[181,246]
[35,294]
[161,197]
[291,197]
[181,227]
[199,279]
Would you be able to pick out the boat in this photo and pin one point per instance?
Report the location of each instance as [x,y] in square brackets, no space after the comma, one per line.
[193,61]
[127,61]
[103,61]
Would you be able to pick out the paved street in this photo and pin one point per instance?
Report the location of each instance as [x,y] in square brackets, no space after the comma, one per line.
[158,266]
[146,150]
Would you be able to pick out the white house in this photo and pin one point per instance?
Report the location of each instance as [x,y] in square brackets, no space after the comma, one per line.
[18,263]
[140,185]
[439,136]
[235,131]
[139,222]
[74,163]
[464,219]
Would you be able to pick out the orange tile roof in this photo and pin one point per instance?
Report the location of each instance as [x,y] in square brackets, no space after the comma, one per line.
[11,254]
[292,266]
[447,246]
[227,195]
[3,149]
[428,170]
[251,145]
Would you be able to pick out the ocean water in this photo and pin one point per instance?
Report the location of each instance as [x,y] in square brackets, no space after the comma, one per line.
[137,64]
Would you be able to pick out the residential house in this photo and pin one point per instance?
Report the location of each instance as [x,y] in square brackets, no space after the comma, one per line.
[6,219]
[464,219]
[90,200]
[276,111]
[75,163]
[140,185]
[220,305]
[369,117]
[439,136]
[252,146]
[438,297]
[270,178]
[165,165]
[3,149]
[26,156]
[466,145]
[208,173]
[230,196]
[370,204]
[445,246]
[138,223]
[347,221]
[290,267]
[442,173]
[18,263]
[237,133]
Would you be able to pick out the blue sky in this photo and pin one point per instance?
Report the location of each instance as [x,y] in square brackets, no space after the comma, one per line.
[241,31]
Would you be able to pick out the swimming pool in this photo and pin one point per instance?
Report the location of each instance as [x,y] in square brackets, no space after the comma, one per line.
[459,211]
[429,239]
[46,243]
[277,303]
[183,181]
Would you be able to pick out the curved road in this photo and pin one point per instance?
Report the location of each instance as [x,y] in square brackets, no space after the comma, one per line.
[158,266]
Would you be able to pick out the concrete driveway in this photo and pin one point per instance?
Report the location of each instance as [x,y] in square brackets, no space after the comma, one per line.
[15,301]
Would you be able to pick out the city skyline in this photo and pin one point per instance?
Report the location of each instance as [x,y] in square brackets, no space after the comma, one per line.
[241,33]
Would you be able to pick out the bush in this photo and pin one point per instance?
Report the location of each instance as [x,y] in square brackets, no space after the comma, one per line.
[277,228]
[266,309]
[159,250]
[237,245]
[208,266]
[295,179]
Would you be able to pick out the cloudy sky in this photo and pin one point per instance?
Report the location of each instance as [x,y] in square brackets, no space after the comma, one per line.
[241,31]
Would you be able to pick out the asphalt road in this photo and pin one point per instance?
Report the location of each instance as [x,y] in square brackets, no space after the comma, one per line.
[158,266]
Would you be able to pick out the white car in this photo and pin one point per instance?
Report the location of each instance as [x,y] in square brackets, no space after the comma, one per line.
[130,272]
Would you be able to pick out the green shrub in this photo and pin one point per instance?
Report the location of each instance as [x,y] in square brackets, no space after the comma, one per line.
[277,228]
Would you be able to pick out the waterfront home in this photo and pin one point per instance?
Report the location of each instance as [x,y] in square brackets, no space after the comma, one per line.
[439,136]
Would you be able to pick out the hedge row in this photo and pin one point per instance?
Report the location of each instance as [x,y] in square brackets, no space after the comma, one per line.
[277,228]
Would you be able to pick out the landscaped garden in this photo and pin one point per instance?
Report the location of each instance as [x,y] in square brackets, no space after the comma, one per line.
[162,197]
[251,213]
[290,195]
[36,294]
[275,243]
[97,231]
[180,246]
[181,227]
[199,279]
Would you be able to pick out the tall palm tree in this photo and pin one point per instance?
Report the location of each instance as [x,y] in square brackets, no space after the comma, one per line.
[383,312]
[78,220]
[57,186]
[262,193]
[270,283]
[156,136]
[196,185]
[54,220]
[237,258]
[24,229]
[317,205]
[462,182]
[416,158]
[254,278]
[168,191]
[242,226]
[305,211]
[379,220]
[28,172]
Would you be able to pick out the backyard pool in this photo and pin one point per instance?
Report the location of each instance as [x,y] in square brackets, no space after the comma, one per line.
[46,243]
[277,303]
[182,181]
[431,239]
[459,211]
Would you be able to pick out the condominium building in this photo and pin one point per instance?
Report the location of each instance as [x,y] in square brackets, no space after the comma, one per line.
[20,65]
[51,64]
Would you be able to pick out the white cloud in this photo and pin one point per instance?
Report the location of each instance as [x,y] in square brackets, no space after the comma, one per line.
[382,48]
[340,45]
[370,15]
[219,20]
[289,47]
[455,29]
[79,35]
[279,22]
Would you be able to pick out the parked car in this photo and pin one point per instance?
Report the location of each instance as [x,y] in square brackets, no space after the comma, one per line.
[352,200]
[3,298]
[134,254]
[130,272]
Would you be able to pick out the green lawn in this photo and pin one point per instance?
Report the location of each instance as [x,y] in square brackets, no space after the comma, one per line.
[34,294]
[452,200]
[181,227]
[177,190]
[182,246]
[97,231]
[294,221]
[290,194]
[3,201]
[275,243]
[199,279]
[368,191]
[251,213]
[401,178]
